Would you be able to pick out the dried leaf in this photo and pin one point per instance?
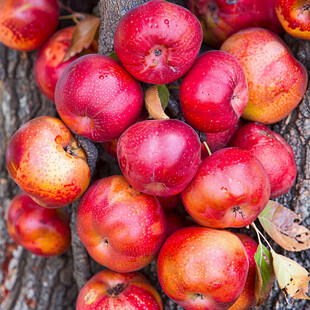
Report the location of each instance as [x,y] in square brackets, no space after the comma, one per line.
[282,225]
[83,35]
[265,275]
[292,278]
[153,102]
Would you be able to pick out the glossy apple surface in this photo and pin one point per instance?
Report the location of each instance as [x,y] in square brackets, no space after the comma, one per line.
[203,268]
[97,98]
[159,157]
[247,298]
[214,92]
[170,202]
[294,16]
[277,81]
[109,290]
[120,227]
[26,24]
[157,41]
[230,189]
[221,18]
[44,159]
[49,64]
[42,231]
[275,154]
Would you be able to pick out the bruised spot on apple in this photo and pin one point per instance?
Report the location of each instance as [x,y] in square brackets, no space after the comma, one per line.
[45,160]
[203,268]
[42,231]
[214,92]
[157,42]
[26,24]
[120,227]
[230,189]
[111,290]
[97,98]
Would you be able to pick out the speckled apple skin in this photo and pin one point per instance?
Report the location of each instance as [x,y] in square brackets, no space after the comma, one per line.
[26,24]
[247,298]
[37,161]
[294,16]
[159,157]
[214,92]
[49,64]
[120,227]
[205,261]
[221,18]
[230,189]
[42,231]
[136,293]
[157,42]
[97,98]
[275,154]
[277,81]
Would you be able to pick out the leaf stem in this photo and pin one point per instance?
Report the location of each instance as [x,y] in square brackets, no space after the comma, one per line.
[207,147]
[259,233]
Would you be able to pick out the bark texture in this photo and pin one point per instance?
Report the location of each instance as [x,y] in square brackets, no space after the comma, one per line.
[31,282]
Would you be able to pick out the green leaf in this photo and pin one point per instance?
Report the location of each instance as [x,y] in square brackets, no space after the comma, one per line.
[283,226]
[153,103]
[163,94]
[113,55]
[265,274]
[292,278]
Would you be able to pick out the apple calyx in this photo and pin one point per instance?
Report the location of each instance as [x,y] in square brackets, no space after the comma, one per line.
[117,289]
[237,210]
[198,295]
[74,149]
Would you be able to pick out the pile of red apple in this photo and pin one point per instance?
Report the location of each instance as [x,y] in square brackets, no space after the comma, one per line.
[123,221]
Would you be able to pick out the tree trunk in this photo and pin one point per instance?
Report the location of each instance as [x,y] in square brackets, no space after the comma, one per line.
[32,282]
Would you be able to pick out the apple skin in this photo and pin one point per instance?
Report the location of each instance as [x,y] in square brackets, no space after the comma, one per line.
[159,157]
[214,93]
[294,16]
[44,159]
[230,189]
[42,231]
[97,98]
[26,24]
[120,227]
[49,64]
[275,154]
[221,18]
[157,42]
[170,202]
[109,290]
[247,298]
[202,268]
[277,81]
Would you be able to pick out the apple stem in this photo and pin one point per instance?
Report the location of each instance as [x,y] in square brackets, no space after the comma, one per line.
[207,147]
[173,87]
[259,233]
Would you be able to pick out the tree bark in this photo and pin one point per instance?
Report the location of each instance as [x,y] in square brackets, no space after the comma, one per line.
[32,282]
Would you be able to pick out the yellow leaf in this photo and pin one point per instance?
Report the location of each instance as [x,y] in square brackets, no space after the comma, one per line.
[283,226]
[292,278]
[83,35]
[153,103]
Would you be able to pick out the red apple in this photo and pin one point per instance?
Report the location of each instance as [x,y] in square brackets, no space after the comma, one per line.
[203,268]
[273,152]
[97,98]
[45,160]
[294,15]
[26,24]
[277,81]
[111,147]
[49,64]
[159,157]
[247,298]
[157,41]
[120,227]
[214,92]
[42,231]
[170,202]
[230,189]
[221,18]
[115,291]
